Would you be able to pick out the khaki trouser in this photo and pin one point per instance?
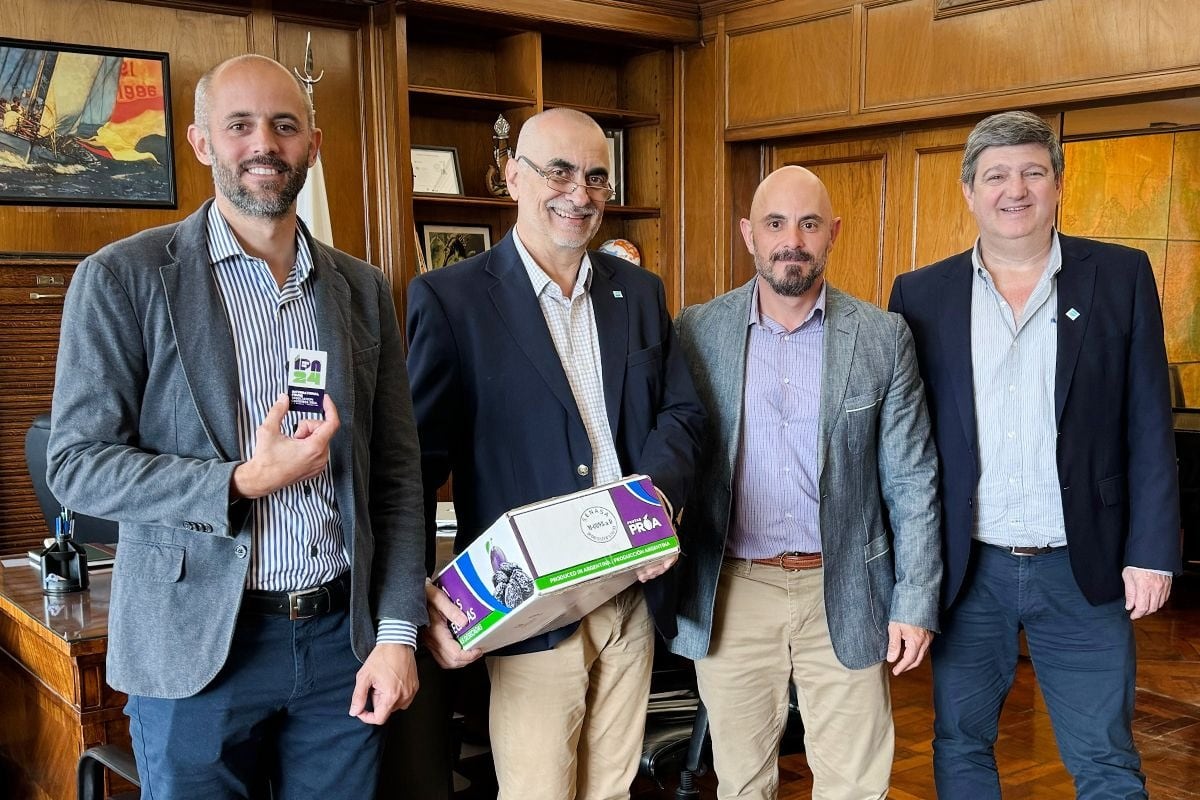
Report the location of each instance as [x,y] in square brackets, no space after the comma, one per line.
[567,723]
[769,624]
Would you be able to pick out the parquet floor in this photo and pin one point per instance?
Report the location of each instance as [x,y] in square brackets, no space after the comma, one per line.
[1166,725]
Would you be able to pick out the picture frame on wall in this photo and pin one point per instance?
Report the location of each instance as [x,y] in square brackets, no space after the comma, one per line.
[448,243]
[85,126]
[616,155]
[436,170]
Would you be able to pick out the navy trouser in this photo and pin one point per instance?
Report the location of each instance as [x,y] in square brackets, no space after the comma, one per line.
[1083,656]
[278,710]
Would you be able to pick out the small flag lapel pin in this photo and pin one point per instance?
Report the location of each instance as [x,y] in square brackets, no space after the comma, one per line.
[616,293]
[1072,314]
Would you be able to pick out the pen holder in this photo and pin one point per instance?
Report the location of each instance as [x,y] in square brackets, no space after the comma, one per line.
[64,563]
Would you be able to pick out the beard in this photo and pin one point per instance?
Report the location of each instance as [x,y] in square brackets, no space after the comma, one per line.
[796,278]
[263,202]
[574,241]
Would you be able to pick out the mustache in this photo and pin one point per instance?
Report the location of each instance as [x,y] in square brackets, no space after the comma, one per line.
[266,161]
[793,254]
[568,207]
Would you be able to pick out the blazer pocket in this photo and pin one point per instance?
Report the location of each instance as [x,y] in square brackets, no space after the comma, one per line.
[1112,490]
[643,356]
[365,356]
[862,411]
[881,579]
[147,561]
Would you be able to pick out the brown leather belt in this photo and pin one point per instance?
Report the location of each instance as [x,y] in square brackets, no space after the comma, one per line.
[1030,551]
[791,561]
[323,599]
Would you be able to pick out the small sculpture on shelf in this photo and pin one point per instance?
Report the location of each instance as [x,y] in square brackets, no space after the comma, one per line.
[494,180]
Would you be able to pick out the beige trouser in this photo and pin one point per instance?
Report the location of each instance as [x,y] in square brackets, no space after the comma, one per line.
[568,723]
[769,624]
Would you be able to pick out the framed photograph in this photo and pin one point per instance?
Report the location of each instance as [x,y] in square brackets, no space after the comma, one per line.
[447,244]
[85,126]
[435,170]
[616,156]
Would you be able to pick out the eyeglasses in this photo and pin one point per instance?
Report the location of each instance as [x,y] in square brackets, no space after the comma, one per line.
[597,186]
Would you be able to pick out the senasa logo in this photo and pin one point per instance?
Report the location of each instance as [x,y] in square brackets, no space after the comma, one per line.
[644,525]
[598,524]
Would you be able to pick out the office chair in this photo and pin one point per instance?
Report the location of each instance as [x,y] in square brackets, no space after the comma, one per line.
[87,529]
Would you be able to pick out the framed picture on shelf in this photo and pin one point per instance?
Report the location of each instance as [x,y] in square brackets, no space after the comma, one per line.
[436,171]
[449,243]
[616,156]
[85,126]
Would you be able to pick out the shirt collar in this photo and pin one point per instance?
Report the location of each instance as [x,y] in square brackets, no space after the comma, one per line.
[758,318]
[223,245]
[1053,262]
[538,277]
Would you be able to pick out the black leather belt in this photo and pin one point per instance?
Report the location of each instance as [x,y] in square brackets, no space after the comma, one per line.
[302,604]
[1030,551]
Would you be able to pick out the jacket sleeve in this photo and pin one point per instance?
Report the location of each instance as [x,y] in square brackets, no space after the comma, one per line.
[96,463]
[908,478]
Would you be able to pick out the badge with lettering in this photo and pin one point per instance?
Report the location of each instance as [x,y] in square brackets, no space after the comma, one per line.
[306,379]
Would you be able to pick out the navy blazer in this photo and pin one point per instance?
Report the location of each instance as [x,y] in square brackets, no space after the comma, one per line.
[1116,446]
[494,408]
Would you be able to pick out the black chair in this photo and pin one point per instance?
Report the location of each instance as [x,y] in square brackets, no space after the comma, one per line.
[89,775]
[87,529]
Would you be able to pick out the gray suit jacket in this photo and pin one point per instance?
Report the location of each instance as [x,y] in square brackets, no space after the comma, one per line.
[878,474]
[145,432]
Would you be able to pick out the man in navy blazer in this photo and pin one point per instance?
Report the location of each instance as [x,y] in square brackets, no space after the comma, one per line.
[1046,374]
[538,369]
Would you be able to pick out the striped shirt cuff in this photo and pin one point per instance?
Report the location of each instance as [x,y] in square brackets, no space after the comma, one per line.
[396,631]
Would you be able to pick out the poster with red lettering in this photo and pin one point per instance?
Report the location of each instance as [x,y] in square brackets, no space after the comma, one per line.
[85,126]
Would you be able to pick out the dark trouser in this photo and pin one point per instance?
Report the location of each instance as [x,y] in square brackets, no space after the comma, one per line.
[277,711]
[1083,656]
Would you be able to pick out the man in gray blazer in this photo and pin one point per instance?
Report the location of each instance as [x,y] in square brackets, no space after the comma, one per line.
[811,539]
[265,549]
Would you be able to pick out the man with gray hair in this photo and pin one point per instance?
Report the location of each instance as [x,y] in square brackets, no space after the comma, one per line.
[269,581]
[1046,375]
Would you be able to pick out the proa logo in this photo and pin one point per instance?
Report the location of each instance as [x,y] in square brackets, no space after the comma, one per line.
[598,524]
[644,525]
[305,370]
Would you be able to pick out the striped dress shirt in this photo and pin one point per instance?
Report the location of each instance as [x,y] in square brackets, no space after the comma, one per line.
[777,503]
[297,534]
[1013,362]
[572,324]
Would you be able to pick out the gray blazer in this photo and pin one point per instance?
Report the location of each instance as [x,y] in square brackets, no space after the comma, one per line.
[878,474]
[145,432]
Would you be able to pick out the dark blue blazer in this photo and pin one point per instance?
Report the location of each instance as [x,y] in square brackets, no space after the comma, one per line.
[1116,446]
[494,408]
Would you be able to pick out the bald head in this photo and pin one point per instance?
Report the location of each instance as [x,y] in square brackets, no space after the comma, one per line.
[790,230]
[553,123]
[239,66]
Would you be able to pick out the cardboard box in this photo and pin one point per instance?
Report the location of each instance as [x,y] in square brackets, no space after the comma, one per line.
[545,565]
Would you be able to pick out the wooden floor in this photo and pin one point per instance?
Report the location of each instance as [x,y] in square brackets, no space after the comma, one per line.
[1166,725]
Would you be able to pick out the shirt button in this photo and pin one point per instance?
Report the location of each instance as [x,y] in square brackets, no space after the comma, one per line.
[582,470]
[787,380]
[1011,434]
[312,551]
[240,551]
[1012,388]
[308,491]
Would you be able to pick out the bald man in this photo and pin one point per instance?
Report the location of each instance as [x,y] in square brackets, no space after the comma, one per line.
[268,549]
[541,368]
[813,530]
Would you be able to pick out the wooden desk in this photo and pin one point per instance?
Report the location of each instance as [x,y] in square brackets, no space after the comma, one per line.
[55,701]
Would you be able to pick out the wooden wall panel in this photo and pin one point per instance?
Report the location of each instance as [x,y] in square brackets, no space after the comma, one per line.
[1118,187]
[1182,287]
[941,222]
[704,272]
[798,68]
[1185,188]
[910,57]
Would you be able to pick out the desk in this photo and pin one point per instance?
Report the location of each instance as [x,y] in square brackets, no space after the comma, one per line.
[56,703]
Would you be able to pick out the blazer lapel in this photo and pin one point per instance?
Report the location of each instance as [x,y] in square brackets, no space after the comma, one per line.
[732,339]
[331,299]
[955,341]
[841,333]
[1076,285]
[518,307]
[202,333]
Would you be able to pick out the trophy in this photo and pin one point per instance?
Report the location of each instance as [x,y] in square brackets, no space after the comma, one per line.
[494,180]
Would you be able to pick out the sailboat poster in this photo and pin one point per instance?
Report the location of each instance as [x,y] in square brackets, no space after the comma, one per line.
[85,126]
